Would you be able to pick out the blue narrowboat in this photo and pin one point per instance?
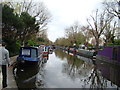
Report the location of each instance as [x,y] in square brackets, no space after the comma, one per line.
[29,56]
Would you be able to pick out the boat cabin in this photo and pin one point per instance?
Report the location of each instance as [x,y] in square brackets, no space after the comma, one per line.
[29,54]
[110,54]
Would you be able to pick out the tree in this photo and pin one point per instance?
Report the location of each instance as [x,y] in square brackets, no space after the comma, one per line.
[62,41]
[10,23]
[30,13]
[98,24]
[74,34]
[113,7]
[16,28]
[34,9]
[109,33]
[29,27]
[87,34]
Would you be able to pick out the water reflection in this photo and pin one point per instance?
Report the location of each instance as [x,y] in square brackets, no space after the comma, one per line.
[92,75]
[40,76]
[61,70]
[110,72]
[62,67]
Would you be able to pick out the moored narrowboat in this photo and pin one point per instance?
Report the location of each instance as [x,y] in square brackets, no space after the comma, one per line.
[29,56]
[110,54]
[45,50]
[86,53]
[73,49]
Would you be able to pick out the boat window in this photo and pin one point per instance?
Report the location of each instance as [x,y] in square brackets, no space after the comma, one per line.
[33,53]
[26,52]
[45,48]
[114,53]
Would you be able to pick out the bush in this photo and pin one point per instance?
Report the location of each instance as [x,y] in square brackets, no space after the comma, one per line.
[31,42]
[14,49]
[116,42]
[12,46]
[41,39]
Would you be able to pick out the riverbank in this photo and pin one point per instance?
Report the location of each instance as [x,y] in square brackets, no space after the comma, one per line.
[11,79]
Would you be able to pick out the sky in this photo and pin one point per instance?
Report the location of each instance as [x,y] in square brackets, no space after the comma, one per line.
[66,12]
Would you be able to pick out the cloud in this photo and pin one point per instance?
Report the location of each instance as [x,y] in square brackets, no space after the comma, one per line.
[66,12]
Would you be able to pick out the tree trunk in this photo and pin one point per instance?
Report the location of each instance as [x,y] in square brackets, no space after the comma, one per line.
[97,45]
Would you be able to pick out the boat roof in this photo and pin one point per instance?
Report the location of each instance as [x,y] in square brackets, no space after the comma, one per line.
[113,46]
[30,47]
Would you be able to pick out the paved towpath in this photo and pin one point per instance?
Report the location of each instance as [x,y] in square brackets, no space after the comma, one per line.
[11,80]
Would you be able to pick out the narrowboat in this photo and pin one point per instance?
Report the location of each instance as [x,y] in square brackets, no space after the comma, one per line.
[25,77]
[53,46]
[45,50]
[110,54]
[83,51]
[73,49]
[86,53]
[29,56]
[50,50]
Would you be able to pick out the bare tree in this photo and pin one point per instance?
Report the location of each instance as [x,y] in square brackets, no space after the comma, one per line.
[109,33]
[113,7]
[86,33]
[97,25]
[74,34]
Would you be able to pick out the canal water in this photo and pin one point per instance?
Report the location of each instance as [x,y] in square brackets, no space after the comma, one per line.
[63,70]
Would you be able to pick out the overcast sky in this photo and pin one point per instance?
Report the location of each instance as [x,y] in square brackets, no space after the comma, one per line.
[66,12]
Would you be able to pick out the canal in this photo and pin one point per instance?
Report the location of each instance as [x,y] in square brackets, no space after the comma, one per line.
[63,70]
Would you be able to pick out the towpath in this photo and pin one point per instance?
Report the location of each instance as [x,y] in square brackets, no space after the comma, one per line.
[11,80]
